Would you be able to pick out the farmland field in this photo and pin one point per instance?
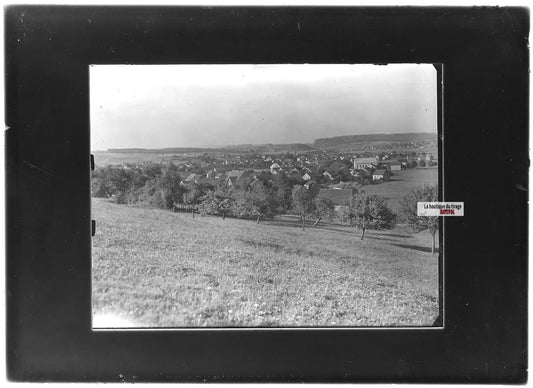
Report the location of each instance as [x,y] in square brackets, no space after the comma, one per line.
[103,158]
[155,268]
[401,182]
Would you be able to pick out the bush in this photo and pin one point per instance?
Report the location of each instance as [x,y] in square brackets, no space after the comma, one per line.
[154,185]
[215,203]
[255,203]
[368,212]
[411,164]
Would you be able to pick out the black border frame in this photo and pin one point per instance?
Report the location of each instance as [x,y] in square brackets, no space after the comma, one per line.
[48,225]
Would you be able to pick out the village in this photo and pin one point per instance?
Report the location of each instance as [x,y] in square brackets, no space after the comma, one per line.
[332,174]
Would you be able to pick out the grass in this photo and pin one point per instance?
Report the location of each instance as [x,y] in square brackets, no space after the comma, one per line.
[162,269]
[401,182]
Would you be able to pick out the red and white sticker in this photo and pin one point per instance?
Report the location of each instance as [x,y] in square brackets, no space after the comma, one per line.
[437,209]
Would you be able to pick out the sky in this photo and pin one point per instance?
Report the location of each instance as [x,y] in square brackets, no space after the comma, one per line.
[162,106]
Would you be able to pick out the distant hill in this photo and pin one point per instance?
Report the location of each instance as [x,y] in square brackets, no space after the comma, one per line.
[236,147]
[328,142]
[291,146]
[346,141]
[296,147]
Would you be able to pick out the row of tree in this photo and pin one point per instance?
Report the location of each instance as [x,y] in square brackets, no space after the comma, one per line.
[161,186]
[362,211]
[371,212]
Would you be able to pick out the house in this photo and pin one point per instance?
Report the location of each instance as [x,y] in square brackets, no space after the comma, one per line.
[381,174]
[294,174]
[233,175]
[362,173]
[306,177]
[359,163]
[393,165]
[338,197]
[309,184]
[211,174]
[396,166]
[193,178]
[327,175]
[239,178]
[274,169]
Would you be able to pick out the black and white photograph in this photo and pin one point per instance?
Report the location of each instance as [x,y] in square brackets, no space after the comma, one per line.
[264,196]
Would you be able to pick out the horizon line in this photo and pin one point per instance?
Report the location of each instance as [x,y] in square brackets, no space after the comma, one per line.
[259,144]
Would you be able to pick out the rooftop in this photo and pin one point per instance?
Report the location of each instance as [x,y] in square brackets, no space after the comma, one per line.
[365,160]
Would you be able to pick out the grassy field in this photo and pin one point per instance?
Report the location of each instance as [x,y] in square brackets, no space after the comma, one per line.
[401,182]
[162,269]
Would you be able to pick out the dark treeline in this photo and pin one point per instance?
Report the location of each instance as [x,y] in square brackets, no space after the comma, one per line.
[258,195]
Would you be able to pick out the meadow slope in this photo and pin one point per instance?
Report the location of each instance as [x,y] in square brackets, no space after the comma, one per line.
[162,269]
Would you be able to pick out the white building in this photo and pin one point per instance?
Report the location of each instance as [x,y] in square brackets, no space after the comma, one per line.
[360,163]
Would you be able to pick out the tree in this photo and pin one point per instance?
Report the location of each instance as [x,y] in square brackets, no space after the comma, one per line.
[281,191]
[322,208]
[368,212]
[215,203]
[340,171]
[411,163]
[121,179]
[168,185]
[409,210]
[253,203]
[266,178]
[302,202]
[101,183]
[153,170]
[192,197]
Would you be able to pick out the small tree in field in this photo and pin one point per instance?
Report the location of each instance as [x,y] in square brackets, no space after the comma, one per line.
[193,197]
[215,203]
[168,183]
[224,205]
[368,212]
[323,208]
[302,202]
[411,164]
[408,209]
[253,203]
